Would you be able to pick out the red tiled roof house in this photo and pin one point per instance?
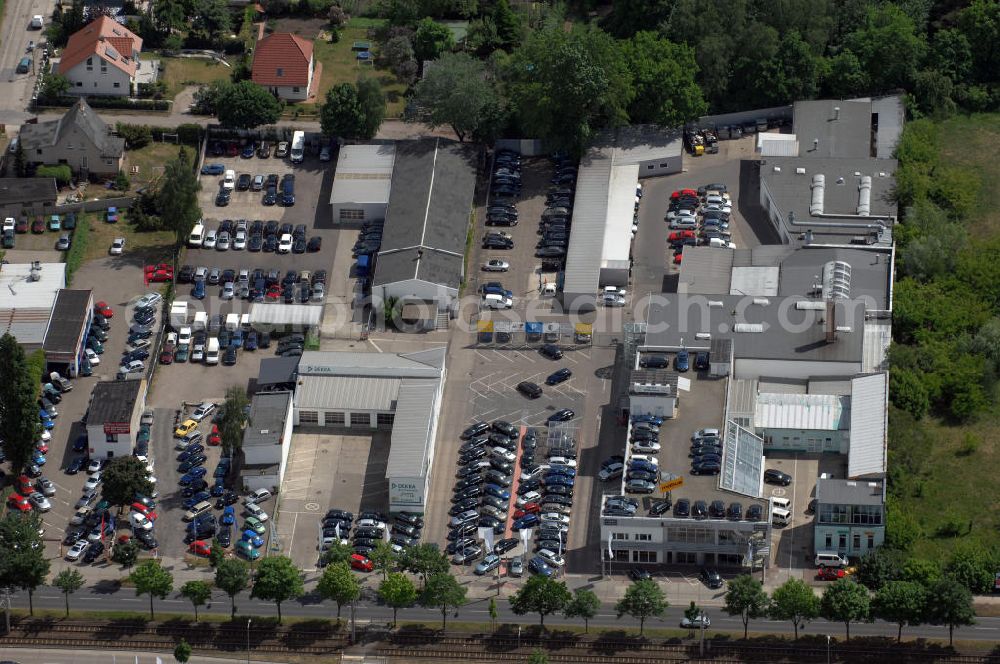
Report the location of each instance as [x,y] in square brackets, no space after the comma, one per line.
[102,59]
[283,63]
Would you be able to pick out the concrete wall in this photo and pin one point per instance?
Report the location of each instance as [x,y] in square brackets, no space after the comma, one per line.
[101,448]
[107,82]
[253,481]
[841,538]
[286,439]
[658,167]
[371,212]
[773,213]
[418,289]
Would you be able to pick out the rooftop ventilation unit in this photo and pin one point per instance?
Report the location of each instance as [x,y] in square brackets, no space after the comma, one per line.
[752,328]
[762,301]
[836,112]
[836,280]
[715,303]
[777,169]
[800,171]
[702,335]
[806,305]
[818,187]
[865,196]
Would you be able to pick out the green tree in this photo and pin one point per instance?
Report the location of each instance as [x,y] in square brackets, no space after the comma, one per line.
[277,580]
[972,566]
[54,86]
[234,419]
[888,46]
[341,113]
[182,652]
[216,554]
[177,199]
[794,601]
[692,612]
[494,614]
[922,571]
[628,17]
[540,595]
[371,100]
[22,554]
[567,86]
[980,23]
[398,592]
[338,552]
[397,54]
[745,597]
[795,70]
[844,75]
[122,478]
[424,560]
[443,591]
[949,602]
[846,601]
[457,92]
[125,553]
[208,98]
[878,567]
[151,579]
[507,26]
[246,105]
[431,39]
[643,599]
[585,604]
[538,656]
[68,581]
[664,74]
[383,557]
[232,576]
[900,602]
[198,593]
[18,405]
[339,584]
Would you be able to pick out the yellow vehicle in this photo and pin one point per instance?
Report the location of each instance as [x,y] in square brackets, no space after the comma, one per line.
[186,427]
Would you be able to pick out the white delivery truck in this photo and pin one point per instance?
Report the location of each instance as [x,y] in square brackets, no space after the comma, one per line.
[245,322]
[298,152]
[232,322]
[200,320]
[212,351]
[197,235]
[178,314]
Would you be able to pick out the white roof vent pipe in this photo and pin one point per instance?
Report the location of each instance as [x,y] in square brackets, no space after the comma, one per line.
[762,301]
[865,196]
[818,187]
[836,112]
[702,335]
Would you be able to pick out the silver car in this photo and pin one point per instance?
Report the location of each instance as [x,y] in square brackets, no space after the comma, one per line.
[516,567]
[228,291]
[487,564]
[40,502]
[223,242]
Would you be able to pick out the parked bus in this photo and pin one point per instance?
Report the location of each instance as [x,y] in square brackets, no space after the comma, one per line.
[298,146]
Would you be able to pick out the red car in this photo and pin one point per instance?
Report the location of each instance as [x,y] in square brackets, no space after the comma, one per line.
[830,574]
[145,511]
[215,438]
[680,236]
[158,273]
[200,548]
[103,309]
[21,226]
[24,485]
[683,192]
[273,293]
[360,563]
[232,149]
[529,508]
[42,447]
[38,225]
[18,502]
[678,257]
[167,356]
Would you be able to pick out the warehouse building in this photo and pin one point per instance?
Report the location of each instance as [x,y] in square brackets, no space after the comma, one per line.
[364,392]
[362,183]
[421,263]
[605,204]
[69,325]
[113,417]
[266,441]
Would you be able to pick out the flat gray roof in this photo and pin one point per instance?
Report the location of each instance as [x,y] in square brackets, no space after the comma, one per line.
[870,272]
[422,364]
[364,174]
[113,401]
[69,314]
[275,370]
[848,492]
[427,220]
[825,132]
[267,419]
[412,434]
[787,333]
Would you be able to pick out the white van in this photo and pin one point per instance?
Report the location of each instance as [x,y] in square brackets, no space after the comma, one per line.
[232,322]
[298,152]
[496,301]
[780,517]
[830,559]
[720,243]
[229,179]
[37,22]
[196,511]
[258,496]
[197,235]
[212,351]
[200,320]
[782,503]
[245,322]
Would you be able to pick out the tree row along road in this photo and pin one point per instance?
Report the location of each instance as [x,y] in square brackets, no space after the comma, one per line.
[986,629]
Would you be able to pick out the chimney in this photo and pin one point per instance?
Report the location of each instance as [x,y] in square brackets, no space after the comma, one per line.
[836,113]
[831,322]
[815,144]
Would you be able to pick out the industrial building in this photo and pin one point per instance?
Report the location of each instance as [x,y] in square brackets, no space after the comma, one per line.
[421,263]
[27,197]
[69,325]
[364,392]
[113,417]
[266,441]
[850,516]
[604,208]
[362,183]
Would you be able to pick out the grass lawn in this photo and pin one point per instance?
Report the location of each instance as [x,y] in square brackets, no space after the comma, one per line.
[181,72]
[151,246]
[151,160]
[958,484]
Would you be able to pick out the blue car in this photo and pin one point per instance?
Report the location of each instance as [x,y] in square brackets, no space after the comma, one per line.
[218,489]
[213,169]
[641,464]
[526,521]
[38,458]
[228,516]
[48,424]
[220,471]
[195,499]
[558,480]
[537,565]
[251,342]
[81,443]
[198,292]
[198,472]
[186,479]
[498,491]
[492,289]
[248,150]
[256,540]
[652,419]
[561,470]
[682,361]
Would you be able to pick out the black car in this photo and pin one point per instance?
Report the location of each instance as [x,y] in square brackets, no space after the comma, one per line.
[639,574]
[699,510]
[299,245]
[225,536]
[563,415]
[682,508]
[774,476]
[475,430]
[710,578]
[529,389]
[229,358]
[654,362]
[559,376]
[222,199]
[256,242]
[497,242]
[707,468]
[93,551]
[528,485]
[186,274]
[659,508]
[717,509]
[550,351]
[315,244]
[755,513]
[243,182]
[270,196]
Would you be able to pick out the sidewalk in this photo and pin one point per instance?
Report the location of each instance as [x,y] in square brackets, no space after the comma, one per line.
[53,656]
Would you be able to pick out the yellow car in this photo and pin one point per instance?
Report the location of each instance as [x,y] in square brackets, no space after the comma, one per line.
[186,427]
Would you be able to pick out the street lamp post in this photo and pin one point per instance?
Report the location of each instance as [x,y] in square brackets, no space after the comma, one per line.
[701,644]
[249,620]
[827,649]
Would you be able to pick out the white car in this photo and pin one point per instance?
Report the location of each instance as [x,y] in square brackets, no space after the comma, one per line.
[148,300]
[229,180]
[211,237]
[252,509]
[184,336]
[92,482]
[240,240]
[645,457]
[40,502]
[203,411]
[501,453]
[530,497]
[139,521]
[46,435]
[562,461]
[551,557]
[117,246]
[9,224]
[285,244]
[92,357]
[496,265]
[645,446]
[94,466]
[77,550]
[554,517]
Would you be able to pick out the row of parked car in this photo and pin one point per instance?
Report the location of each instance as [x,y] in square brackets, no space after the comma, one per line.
[365,532]
[699,217]
[505,190]
[259,235]
[554,225]
[257,284]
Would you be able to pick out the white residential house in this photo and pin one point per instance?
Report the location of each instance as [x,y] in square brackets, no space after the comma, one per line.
[102,59]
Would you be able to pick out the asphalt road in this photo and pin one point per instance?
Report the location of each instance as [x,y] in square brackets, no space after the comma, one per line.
[367,611]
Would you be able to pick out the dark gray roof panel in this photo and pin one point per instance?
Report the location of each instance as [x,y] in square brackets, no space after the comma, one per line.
[27,190]
[113,401]
[267,419]
[69,314]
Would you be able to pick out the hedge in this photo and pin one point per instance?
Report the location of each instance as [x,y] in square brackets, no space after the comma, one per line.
[110,102]
[188,134]
[74,257]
